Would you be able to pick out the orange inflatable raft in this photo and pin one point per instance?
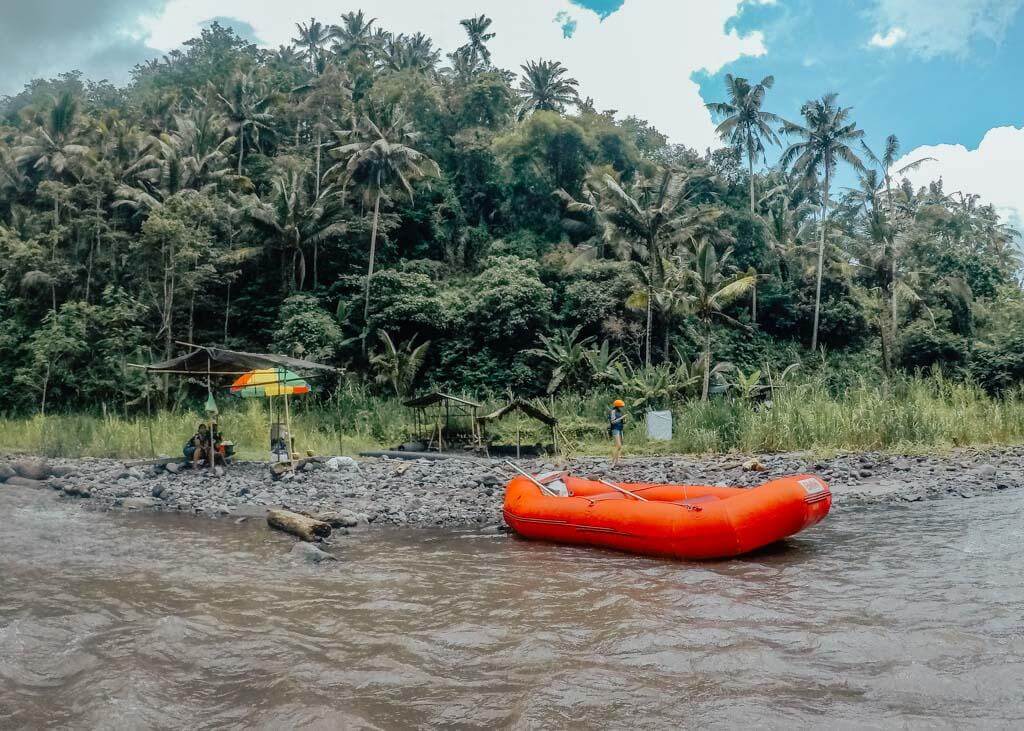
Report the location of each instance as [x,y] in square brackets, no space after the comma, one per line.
[678,521]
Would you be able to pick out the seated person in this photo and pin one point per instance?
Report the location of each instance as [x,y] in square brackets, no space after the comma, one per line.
[219,446]
[198,448]
[280,450]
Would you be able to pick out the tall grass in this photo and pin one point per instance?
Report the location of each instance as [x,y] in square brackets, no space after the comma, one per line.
[914,414]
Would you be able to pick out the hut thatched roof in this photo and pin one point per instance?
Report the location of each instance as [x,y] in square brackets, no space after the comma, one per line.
[221,361]
[519,405]
[438,397]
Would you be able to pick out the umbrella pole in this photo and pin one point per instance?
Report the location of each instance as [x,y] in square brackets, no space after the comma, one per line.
[288,426]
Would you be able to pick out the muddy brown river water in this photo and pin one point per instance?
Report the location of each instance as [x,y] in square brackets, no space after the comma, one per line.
[880,617]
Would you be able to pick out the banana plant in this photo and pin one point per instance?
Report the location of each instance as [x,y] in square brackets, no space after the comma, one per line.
[747,385]
[567,352]
[602,361]
[398,365]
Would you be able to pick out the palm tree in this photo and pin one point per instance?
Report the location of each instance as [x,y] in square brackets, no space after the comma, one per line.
[786,218]
[354,35]
[54,143]
[311,38]
[376,156]
[463,66]
[896,223]
[192,157]
[667,298]
[55,140]
[286,58]
[477,29]
[416,52]
[398,365]
[711,288]
[746,128]
[868,249]
[584,216]
[653,213]
[827,134]
[294,219]
[746,125]
[545,87]
[201,141]
[326,97]
[246,103]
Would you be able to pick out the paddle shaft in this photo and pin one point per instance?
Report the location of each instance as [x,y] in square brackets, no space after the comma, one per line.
[623,491]
[544,488]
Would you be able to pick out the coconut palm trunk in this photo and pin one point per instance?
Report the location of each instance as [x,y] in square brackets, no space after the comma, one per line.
[892,298]
[821,257]
[753,292]
[316,246]
[373,254]
[241,148]
[750,169]
[705,391]
[650,323]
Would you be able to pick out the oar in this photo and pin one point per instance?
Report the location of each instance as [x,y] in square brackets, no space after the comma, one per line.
[624,491]
[544,488]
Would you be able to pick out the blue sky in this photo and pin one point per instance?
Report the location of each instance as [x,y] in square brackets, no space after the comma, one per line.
[945,77]
[818,47]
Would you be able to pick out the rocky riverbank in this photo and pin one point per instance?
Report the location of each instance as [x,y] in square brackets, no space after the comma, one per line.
[460,494]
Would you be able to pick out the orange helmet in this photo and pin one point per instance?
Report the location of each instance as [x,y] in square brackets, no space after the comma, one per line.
[618,403]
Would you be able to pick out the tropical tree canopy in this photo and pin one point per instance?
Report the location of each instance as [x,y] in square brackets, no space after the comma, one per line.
[361,192]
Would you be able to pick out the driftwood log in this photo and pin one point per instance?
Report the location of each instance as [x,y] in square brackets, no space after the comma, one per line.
[306,528]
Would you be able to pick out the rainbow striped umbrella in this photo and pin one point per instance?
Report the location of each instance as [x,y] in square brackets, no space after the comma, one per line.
[268,382]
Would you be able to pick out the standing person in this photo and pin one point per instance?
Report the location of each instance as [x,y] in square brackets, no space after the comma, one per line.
[616,425]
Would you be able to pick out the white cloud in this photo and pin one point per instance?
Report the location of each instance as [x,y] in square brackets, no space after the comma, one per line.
[935,27]
[638,60]
[993,171]
[890,39]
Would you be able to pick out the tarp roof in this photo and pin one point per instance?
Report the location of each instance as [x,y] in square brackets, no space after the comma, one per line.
[520,405]
[437,397]
[220,361]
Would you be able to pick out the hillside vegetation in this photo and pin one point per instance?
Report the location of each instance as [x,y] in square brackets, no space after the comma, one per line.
[424,218]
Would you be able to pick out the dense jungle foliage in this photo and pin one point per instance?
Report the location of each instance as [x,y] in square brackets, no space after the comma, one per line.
[364,199]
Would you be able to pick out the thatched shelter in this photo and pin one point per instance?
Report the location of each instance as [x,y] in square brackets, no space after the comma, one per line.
[442,420]
[523,407]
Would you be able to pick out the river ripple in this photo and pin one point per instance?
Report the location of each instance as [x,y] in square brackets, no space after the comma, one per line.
[903,615]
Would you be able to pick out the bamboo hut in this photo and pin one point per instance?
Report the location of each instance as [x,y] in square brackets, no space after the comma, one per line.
[441,420]
[523,407]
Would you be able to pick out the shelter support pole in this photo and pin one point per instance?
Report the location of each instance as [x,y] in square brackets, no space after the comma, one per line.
[149,422]
[337,405]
